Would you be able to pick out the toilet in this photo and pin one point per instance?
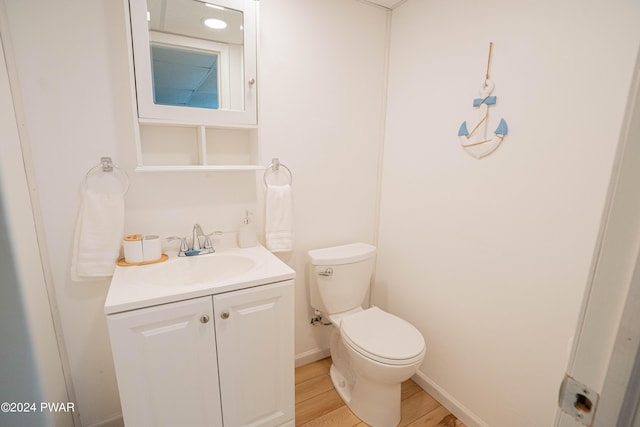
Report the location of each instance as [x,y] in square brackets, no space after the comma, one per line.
[372,351]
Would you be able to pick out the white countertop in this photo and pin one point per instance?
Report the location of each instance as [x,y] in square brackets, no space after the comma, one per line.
[131,289]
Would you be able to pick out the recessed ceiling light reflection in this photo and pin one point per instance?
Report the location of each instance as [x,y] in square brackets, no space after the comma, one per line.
[216,24]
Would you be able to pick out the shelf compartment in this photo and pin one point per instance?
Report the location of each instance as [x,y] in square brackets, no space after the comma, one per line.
[229,147]
[169,145]
[188,147]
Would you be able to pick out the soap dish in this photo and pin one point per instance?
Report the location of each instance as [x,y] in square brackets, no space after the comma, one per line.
[122,263]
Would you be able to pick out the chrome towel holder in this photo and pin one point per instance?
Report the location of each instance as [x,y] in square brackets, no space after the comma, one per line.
[106,166]
[274,168]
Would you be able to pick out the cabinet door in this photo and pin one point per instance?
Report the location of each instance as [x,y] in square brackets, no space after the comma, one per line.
[211,79]
[165,360]
[254,333]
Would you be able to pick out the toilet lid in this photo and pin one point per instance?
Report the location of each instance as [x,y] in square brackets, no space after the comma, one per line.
[383,337]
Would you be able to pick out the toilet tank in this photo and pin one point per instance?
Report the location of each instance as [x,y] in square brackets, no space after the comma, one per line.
[340,276]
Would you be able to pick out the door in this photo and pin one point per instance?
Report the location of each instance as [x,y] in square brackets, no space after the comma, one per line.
[254,332]
[165,360]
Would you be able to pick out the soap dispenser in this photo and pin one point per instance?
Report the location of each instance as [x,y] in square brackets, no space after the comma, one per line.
[247,233]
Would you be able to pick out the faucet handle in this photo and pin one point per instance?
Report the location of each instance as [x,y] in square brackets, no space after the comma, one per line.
[184,246]
[207,243]
[207,239]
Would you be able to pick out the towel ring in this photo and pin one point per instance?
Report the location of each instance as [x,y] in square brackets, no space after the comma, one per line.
[274,168]
[106,166]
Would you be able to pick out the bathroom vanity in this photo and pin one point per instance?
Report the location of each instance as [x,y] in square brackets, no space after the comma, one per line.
[204,340]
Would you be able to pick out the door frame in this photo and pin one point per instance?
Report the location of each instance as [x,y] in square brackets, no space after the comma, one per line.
[608,332]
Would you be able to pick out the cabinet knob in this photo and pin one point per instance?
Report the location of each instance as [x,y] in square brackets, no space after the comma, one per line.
[204,318]
[224,314]
[252,81]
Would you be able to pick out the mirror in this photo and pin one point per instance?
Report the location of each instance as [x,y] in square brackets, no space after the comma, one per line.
[194,47]
[195,60]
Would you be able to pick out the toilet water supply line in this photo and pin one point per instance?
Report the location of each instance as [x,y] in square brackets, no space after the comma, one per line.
[317,319]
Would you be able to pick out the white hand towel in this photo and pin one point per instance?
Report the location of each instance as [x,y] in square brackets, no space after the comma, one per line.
[98,235]
[279,218]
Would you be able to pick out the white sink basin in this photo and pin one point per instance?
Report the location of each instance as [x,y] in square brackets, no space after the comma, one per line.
[201,269]
[180,278]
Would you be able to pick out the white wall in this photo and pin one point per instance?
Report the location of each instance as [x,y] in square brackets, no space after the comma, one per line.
[321,108]
[490,258]
[321,112]
[66,59]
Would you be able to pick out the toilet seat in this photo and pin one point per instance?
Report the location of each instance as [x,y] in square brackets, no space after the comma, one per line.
[383,337]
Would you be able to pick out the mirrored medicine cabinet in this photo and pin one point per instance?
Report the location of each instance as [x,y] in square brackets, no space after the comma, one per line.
[194,67]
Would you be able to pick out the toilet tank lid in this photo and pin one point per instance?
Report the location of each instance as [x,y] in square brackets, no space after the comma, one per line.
[343,254]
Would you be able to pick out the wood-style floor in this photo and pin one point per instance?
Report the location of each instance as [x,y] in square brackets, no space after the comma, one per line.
[319,405]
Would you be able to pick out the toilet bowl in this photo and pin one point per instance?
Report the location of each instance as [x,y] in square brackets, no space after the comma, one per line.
[382,350]
[372,351]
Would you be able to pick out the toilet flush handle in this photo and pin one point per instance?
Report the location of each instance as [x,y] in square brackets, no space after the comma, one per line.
[327,272]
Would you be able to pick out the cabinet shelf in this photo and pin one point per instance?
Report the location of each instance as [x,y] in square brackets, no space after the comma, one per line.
[182,123]
[180,147]
[198,168]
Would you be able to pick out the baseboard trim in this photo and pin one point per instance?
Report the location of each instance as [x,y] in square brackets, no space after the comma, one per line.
[448,401]
[311,356]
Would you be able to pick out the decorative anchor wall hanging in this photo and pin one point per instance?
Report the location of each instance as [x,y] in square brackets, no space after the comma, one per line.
[476,142]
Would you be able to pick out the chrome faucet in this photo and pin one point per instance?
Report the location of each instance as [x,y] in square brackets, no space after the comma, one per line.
[197,232]
[197,247]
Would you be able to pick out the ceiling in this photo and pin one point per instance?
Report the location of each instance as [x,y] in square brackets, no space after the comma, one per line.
[186,17]
[389,4]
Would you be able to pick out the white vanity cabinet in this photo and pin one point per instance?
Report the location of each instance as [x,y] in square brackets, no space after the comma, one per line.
[218,360]
[165,359]
[254,332]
